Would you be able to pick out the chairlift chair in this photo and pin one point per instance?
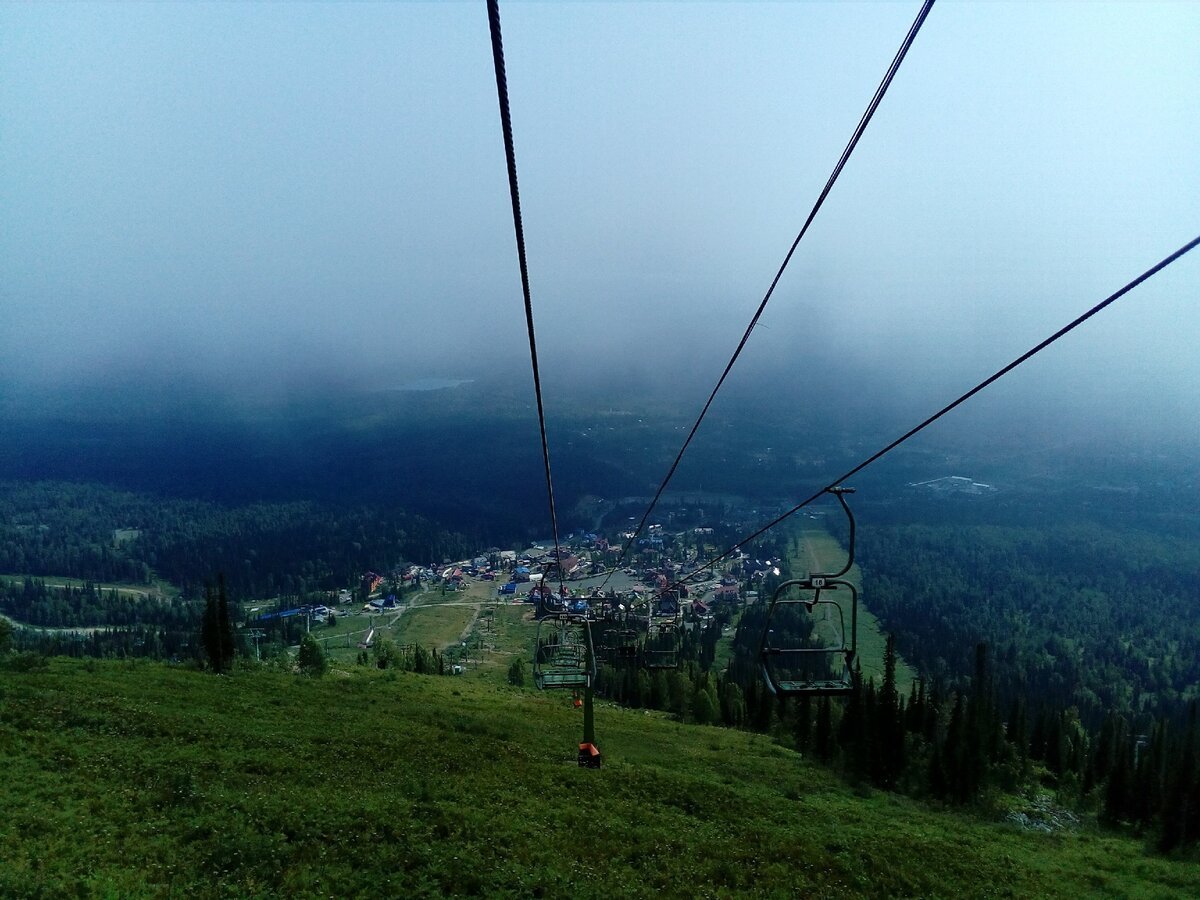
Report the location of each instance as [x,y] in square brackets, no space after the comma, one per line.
[662,650]
[663,637]
[563,655]
[620,646]
[803,667]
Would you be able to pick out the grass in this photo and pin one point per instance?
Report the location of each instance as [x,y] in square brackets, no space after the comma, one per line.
[427,618]
[341,640]
[724,652]
[433,627]
[143,780]
[819,551]
[510,634]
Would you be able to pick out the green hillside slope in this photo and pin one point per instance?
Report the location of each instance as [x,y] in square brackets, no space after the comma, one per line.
[147,780]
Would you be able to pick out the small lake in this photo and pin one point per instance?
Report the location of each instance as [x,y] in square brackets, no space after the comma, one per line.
[433,384]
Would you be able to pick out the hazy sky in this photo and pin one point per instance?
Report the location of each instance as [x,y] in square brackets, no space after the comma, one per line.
[278,191]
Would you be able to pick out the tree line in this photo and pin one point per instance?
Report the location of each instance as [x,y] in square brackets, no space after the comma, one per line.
[264,549]
[1079,615]
[34,602]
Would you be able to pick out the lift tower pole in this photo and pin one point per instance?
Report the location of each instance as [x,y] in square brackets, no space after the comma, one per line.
[589,720]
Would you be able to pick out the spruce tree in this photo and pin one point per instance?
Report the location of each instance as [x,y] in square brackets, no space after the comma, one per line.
[210,638]
[915,716]
[1016,730]
[1054,753]
[852,731]
[824,739]
[953,751]
[225,636]
[311,659]
[1117,790]
[1149,777]
[1177,812]
[887,749]
[803,723]
[933,710]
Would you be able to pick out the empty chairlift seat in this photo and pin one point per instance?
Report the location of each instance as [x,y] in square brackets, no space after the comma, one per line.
[808,641]
[563,656]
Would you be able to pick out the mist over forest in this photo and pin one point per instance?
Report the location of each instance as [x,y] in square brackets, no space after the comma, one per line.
[465,452]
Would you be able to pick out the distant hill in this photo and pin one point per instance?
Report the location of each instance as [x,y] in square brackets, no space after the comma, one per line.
[149,780]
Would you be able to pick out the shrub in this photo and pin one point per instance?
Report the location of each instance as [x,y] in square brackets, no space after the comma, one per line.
[516,672]
[311,660]
[387,654]
[26,662]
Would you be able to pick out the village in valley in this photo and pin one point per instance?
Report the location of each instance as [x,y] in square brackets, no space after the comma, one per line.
[481,611]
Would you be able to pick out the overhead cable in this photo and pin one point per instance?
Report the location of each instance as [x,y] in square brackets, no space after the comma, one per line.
[837,170]
[493,8]
[996,376]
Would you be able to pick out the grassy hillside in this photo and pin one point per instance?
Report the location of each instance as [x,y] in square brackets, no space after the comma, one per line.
[147,780]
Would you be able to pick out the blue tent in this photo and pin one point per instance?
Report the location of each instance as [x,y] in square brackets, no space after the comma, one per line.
[282,614]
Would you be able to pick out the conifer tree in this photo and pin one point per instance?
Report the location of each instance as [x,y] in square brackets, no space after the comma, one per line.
[311,658]
[224,626]
[1037,738]
[915,714]
[1103,757]
[1017,728]
[705,708]
[1178,815]
[1149,776]
[824,738]
[953,751]
[516,672]
[939,780]
[887,744]
[733,706]
[933,709]
[1117,790]
[852,731]
[803,724]
[1054,754]
[658,698]
[216,629]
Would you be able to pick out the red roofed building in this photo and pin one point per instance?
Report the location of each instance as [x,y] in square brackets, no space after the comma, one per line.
[726,592]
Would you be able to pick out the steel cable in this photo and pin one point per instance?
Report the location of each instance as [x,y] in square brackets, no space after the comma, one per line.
[837,170]
[996,376]
[493,8]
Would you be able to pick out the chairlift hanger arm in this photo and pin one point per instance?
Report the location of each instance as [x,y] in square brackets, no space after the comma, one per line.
[840,493]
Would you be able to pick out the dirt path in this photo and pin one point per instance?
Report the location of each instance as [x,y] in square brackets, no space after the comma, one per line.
[471,624]
[68,629]
[814,564]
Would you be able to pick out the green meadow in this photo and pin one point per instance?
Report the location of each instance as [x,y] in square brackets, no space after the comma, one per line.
[146,780]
